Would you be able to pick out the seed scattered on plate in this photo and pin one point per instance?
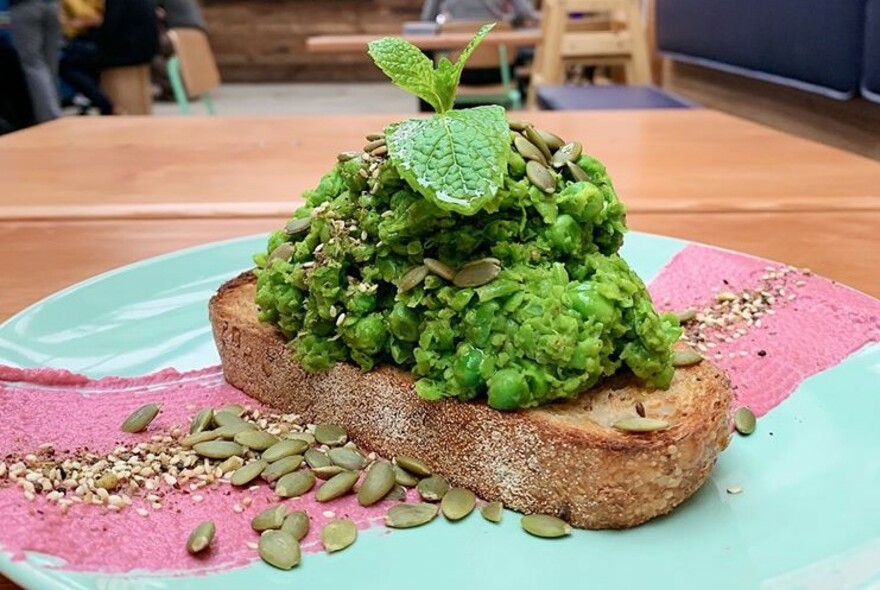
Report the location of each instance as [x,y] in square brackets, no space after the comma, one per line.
[432,489]
[270,518]
[744,421]
[140,418]
[279,549]
[458,503]
[201,537]
[405,516]
[732,490]
[546,526]
[338,535]
[492,511]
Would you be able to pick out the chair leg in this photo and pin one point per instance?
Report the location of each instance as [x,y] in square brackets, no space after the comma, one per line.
[177,85]
[209,104]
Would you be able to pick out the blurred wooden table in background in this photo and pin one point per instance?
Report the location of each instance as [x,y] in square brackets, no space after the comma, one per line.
[80,196]
[528,37]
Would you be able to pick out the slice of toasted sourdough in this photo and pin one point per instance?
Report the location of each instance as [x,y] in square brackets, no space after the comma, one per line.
[562,459]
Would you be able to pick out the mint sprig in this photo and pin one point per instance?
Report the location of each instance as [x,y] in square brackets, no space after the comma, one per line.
[456,158]
[413,71]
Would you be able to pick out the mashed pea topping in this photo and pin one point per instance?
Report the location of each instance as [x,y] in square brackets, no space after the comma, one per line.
[438,251]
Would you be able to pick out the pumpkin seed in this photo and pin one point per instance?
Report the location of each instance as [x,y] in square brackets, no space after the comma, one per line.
[577,173]
[346,458]
[284,251]
[248,473]
[330,434]
[475,275]
[570,152]
[231,464]
[108,481]
[492,511]
[639,424]
[270,518]
[405,516]
[201,537]
[327,471]
[218,449]
[553,141]
[279,549]
[346,156]
[236,409]
[281,467]
[297,524]
[744,421]
[376,143]
[405,478]
[733,490]
[140,418]
[230,430]
[295,484]
[412,278]
[440,269]
[199,437]
[458,503]
[257,440]
[224,418]
[518,125]
[338,534]
[487,259]
[338,485]
[433,488]
[375,136]
[316,458]
[307,437]
[546,526]
[298,226]
[540,176]
[528,150]
[377,483]
[397,494]
[686,358]
[202,421]
[379,151]
[686,315]
[413,465]
[284,448]
[536,138]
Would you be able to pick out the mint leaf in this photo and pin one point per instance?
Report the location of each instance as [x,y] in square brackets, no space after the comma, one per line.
[448,75]
[457,159]
[411,69]
[407,67]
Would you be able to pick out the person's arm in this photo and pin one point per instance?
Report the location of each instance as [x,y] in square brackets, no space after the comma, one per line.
[430,9]
[525,9]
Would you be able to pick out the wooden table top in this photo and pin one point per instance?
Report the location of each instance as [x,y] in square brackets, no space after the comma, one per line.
[91,194]
[358,43]
[661,160]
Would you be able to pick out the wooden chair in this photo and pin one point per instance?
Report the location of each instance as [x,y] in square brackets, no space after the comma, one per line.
[487,56]
[192,71]
[623,43]
[129,88]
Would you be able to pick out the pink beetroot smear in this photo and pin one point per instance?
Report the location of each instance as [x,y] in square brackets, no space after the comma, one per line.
[815,331]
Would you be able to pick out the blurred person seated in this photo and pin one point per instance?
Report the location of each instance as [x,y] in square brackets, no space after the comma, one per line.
[516,12]
[81,61]
[172,14]
[16,111]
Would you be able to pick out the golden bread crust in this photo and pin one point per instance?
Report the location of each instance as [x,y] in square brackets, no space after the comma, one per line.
[562,459]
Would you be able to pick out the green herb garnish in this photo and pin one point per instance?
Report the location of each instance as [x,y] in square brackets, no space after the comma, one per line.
[456,158]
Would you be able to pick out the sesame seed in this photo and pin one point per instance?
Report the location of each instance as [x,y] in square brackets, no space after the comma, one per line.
[142,512]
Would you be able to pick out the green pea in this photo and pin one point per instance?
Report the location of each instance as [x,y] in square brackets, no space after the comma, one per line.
[369,334]
[565,233]
[588,302]
[403,323]
[508,390]
[516,164]
[467,365]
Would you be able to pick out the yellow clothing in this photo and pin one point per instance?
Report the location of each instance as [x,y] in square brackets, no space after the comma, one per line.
[79,15]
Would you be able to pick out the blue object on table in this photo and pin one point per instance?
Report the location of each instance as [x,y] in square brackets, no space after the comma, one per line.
[579,98]
[812,45]
[871,69]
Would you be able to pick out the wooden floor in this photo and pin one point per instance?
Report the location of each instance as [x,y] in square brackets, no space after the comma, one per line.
[852,125]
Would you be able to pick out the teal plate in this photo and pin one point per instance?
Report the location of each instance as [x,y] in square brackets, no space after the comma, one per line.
[809,516]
